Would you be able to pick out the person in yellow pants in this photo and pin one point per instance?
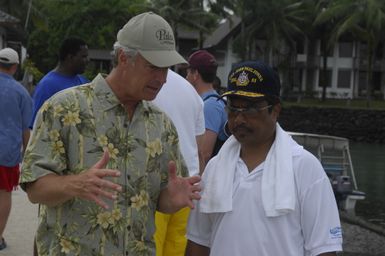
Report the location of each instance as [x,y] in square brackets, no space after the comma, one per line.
[186,112]
[170,236]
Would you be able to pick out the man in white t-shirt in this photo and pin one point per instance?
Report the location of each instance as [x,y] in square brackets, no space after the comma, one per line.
[179,100]
[263,194]
[184,106]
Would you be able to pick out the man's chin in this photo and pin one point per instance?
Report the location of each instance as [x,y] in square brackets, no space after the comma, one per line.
[240,136]
[150,97]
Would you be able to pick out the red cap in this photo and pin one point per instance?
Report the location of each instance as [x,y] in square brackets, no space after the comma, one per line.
[203,61]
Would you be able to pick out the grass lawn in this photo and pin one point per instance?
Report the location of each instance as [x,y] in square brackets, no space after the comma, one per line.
[336,103]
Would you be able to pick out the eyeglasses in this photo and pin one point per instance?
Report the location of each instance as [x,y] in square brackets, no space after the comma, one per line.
[252,110]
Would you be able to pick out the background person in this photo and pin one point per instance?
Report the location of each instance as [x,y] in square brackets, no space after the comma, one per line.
[73,58]
[182,104]
[263,193]
[15,114]
[104,203]
[201,73]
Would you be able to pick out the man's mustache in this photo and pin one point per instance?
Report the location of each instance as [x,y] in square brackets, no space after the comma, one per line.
[241,127]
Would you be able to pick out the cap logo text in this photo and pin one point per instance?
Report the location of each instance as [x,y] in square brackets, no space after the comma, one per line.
[164,36]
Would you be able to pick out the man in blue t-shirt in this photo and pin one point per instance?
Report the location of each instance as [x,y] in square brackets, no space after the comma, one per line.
[15,114]
[201,73]
[73,58]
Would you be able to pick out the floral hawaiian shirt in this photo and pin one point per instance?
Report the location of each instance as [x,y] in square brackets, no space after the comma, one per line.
[71,130]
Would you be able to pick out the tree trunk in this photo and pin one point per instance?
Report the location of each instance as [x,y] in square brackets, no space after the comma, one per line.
[323,77]
[369,80]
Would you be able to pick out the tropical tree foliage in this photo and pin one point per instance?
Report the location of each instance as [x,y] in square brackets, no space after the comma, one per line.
[278,24]
[269,29]
[22,9]
[96,21]
[322,31]
[187,14]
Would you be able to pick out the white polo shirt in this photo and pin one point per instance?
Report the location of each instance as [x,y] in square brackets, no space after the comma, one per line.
[312,228]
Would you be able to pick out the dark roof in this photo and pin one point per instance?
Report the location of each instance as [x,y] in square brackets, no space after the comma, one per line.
[100,54]
[7,18]
[223,30]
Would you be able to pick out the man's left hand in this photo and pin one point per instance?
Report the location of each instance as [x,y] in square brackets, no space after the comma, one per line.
[180,191]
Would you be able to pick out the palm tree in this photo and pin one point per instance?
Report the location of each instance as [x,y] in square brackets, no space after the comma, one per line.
[365,19]
[280,24]
[322,28]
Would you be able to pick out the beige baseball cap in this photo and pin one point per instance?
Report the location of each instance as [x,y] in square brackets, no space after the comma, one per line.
[153,38]
[9,56]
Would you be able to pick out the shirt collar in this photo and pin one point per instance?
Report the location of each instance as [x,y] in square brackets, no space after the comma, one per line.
[5,75]
[211,92]
[107,97]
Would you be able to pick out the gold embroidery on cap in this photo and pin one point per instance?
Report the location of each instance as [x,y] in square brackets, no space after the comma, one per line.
[243,79]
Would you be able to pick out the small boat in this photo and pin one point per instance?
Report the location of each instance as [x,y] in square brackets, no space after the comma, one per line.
[334,154]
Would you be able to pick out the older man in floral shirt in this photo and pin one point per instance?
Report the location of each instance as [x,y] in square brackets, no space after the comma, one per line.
[99,158]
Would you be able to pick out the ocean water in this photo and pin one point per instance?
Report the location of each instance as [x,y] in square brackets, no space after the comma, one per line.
[369,167]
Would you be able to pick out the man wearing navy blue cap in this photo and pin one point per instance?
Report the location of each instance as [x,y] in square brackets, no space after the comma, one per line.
[263,194]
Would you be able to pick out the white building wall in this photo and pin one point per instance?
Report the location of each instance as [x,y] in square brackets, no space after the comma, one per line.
[335,64]
[225,67]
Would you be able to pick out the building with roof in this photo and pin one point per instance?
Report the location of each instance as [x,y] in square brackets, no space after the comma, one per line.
[11,33]
[346,64]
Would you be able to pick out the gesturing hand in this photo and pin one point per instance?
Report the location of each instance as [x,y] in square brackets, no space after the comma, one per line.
[91,184]
[180,192]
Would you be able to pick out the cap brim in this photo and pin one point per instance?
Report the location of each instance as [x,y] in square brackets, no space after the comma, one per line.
[163,59]
[7,61]
[243,94]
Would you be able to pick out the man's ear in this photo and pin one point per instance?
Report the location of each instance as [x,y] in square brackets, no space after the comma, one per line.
[195,75]
[276,110]
[124,58]
[14,68]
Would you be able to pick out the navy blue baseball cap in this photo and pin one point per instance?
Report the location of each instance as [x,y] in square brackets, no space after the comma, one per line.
[253,79]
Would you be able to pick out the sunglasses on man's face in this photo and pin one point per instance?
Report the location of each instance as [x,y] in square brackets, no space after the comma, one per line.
[249,110]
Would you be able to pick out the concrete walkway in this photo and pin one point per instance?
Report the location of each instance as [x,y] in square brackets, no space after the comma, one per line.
[21,226]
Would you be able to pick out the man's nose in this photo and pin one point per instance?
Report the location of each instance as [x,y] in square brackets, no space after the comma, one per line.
[239,118]
[161,75]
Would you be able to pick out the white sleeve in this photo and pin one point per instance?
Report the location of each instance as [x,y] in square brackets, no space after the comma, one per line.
[199,227]
[200,127]
[319,215]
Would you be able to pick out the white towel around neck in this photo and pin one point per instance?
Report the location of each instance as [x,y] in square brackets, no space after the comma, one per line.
[278,186]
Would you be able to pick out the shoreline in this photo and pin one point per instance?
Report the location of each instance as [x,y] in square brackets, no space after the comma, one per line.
[360,237]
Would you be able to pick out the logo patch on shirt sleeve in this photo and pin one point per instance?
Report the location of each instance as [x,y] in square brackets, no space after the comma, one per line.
[335,233]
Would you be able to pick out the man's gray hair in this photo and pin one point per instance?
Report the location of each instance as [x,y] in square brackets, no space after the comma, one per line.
[129,52]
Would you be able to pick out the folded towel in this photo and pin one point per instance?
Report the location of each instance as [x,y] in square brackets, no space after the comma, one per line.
[218,178]
[278,186]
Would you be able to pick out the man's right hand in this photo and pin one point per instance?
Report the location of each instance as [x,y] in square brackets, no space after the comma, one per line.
[53,190]
[91,185]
